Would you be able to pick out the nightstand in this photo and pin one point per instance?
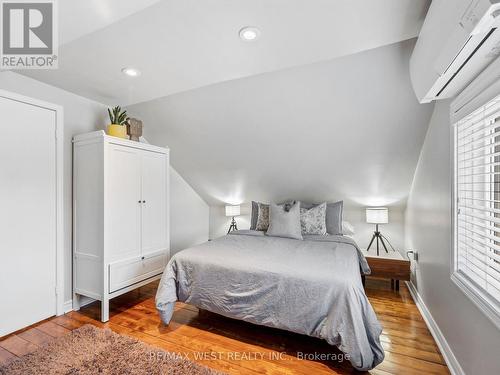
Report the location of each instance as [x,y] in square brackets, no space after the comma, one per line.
[389,265]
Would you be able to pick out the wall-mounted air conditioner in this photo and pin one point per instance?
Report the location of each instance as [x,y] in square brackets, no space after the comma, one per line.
[458,40]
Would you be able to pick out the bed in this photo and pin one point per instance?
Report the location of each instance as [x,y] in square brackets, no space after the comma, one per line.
[311,287]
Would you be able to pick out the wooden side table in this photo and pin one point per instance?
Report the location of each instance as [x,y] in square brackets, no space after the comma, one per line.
[389,265]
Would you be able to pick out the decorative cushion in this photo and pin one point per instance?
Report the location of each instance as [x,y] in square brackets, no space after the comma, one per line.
[284,221]
[313,220]
[334,213]
[262,217]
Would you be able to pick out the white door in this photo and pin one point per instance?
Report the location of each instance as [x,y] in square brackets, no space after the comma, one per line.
[123,189]
[154,207]
[27,214]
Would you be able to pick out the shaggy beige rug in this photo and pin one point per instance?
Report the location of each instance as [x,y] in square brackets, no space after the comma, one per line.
[91,350]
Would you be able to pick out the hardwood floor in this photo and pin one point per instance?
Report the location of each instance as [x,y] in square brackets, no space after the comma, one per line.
[241,348]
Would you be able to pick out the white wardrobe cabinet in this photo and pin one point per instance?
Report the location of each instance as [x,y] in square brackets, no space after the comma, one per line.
[120,208]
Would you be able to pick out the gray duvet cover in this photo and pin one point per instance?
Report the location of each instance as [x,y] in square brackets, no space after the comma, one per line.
[312,287]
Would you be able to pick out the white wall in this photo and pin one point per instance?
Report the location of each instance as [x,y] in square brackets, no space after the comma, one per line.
[349,128]
[473,338]
[189,215]
[346,129]
[83,115]
[80,115]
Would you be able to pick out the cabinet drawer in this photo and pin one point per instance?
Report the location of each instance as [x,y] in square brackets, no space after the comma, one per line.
[131,271]
[389,268]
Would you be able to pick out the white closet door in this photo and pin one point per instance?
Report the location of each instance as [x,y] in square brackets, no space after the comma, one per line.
[123,209]
[154,202]
[27,215]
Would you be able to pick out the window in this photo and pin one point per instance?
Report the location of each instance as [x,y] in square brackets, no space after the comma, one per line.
[477,208]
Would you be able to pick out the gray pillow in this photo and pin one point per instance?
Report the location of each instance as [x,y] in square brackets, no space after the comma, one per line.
[284,221]
[334,213]
[255,213]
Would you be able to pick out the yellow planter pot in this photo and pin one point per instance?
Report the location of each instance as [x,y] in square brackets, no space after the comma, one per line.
[119,131]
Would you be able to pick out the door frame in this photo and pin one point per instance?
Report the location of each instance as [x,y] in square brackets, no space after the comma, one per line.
[59,134]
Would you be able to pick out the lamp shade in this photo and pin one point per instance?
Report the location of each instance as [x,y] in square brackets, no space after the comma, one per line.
[377,215]
[232,210]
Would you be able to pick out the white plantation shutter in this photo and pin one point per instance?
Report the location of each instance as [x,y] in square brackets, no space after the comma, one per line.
[477,190]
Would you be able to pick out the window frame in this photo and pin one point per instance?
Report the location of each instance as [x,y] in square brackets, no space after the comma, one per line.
[481,91]
[475,293]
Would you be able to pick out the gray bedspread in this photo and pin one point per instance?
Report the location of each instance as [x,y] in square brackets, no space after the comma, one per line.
[312,287]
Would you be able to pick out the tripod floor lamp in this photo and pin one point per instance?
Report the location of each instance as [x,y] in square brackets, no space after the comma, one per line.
[232,211]
[377,215]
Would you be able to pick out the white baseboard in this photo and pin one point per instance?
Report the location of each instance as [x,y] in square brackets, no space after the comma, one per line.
[445,349]
[84,301]
[68,306]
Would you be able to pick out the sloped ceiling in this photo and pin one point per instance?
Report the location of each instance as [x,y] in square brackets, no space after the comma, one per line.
[348,128]
[180,45]
[78,18]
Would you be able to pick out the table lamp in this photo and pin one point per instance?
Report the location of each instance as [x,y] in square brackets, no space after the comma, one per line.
[232,211]
[377,215]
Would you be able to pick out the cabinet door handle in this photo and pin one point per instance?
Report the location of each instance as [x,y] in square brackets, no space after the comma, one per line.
[138,201]
[142,258]
[143,201]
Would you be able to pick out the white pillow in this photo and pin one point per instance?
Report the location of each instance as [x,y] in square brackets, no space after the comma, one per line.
[347,228]
[284,221]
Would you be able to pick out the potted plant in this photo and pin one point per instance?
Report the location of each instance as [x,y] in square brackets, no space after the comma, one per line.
[118,122]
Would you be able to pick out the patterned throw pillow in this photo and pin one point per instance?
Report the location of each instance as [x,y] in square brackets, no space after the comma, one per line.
[262,217]
[313,220]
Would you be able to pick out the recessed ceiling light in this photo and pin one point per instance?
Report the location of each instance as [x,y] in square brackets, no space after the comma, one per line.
[131,72]
[249,33]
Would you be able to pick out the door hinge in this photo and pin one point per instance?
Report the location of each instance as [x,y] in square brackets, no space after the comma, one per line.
[56,290]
